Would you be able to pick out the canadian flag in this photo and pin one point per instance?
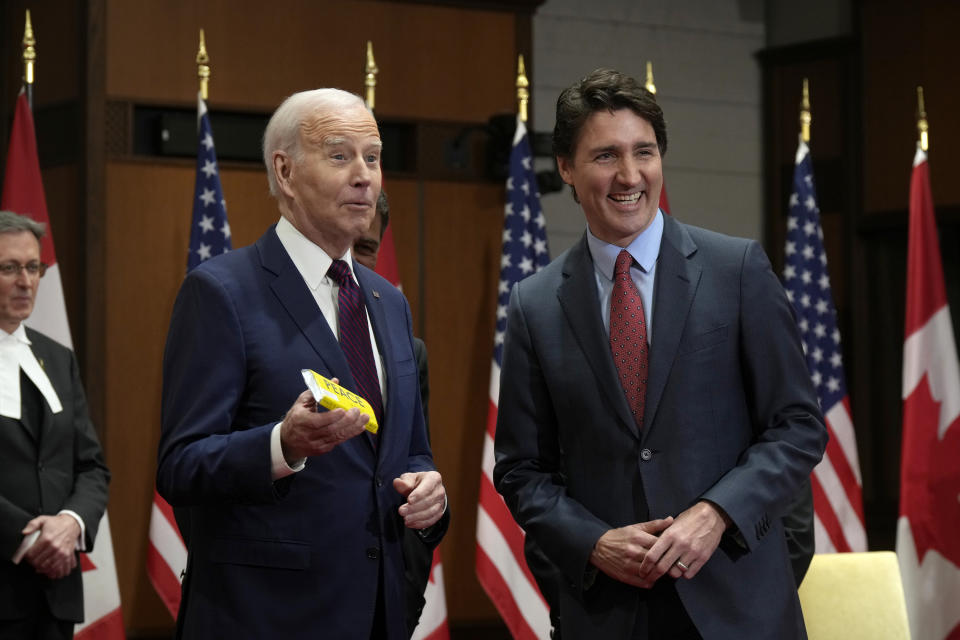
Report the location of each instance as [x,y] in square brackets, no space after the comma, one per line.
[928,542]
[23,194]
[433,620]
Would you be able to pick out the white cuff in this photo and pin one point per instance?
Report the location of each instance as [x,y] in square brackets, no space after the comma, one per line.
[82,539]
[279,466]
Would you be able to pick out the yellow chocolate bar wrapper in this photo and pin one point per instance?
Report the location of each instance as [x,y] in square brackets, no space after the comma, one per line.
[332,396]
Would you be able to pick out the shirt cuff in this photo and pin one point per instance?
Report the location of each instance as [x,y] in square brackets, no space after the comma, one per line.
[82,538]
[278,464]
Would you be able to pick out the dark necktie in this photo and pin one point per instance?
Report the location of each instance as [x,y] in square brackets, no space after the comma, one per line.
[355,337]
[628,336]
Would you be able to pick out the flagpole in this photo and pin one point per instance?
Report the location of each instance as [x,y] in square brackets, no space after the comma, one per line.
[203,66]
[923,128]
[370,81]
[29,58]
[806,119]
[523,89]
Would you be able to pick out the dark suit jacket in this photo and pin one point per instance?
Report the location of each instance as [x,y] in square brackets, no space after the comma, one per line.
[731,417]
[57,464]
[300,556]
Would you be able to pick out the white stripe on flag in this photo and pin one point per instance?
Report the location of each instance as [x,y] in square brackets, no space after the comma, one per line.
[167,542]
[822,543]
[495,383]
[49,315]
[853,529]
[488,457]
[842,426]
[435,610]
[528,599]
[101,592]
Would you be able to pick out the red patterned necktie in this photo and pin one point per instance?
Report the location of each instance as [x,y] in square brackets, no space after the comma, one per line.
[628,336]
[355,337]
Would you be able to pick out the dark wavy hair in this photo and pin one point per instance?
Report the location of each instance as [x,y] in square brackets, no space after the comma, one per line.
[603,90]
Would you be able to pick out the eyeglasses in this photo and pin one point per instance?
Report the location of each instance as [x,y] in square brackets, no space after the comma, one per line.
[13,269]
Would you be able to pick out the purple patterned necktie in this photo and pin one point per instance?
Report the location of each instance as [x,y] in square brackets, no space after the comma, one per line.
[628,336]
[355,337]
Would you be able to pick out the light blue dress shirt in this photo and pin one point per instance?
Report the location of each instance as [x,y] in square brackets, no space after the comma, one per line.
[645,249]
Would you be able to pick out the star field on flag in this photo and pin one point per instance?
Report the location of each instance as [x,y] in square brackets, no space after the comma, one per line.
[209,231]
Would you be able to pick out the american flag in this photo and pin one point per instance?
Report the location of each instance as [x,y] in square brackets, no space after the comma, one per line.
[210,232]
[836,482]
[501,567]
[209,236]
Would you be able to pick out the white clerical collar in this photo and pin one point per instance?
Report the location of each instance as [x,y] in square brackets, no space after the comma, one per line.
[16,354]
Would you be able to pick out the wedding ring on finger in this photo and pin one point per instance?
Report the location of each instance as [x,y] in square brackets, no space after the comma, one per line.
[681,566]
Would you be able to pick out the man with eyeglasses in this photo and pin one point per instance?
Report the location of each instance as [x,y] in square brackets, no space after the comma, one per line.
[53,480]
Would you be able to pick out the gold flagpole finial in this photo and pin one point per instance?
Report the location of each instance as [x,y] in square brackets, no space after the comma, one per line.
[370,81]
[923,128]
[805,117]
[649,86]
[523,89]
[203,66]
[29,50]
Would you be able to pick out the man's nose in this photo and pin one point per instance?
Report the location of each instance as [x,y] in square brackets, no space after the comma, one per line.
[629,171]
[363,172]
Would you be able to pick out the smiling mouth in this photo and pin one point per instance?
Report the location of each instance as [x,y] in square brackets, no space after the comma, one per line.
[626,198]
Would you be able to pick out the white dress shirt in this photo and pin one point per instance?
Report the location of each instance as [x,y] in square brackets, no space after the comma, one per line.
[313,263]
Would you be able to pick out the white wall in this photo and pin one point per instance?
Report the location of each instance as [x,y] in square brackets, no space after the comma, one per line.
[708,83]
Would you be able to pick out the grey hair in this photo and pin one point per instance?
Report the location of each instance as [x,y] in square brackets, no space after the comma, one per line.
[283,130]
[11,222]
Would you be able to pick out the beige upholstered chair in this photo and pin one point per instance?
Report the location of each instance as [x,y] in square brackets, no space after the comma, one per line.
[854,596]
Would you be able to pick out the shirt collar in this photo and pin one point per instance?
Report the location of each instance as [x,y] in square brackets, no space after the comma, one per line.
[310,260]
[19,335]
[645,248]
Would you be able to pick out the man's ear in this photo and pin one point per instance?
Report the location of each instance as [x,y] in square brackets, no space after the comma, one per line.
[565,167]
[283,167]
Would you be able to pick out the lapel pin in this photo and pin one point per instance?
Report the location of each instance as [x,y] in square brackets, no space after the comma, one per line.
[376,294]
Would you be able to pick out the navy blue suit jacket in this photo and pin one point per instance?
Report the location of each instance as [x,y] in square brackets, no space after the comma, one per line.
[300,556]
[731,417]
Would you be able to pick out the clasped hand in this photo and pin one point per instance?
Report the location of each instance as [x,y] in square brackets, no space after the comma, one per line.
[639,554]
[54,552]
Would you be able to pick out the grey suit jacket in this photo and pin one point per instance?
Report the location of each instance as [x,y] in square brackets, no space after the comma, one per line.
[43,469]
[731,417]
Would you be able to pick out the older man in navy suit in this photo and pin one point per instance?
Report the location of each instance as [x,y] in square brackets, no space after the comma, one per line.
[297,515]
[656,416]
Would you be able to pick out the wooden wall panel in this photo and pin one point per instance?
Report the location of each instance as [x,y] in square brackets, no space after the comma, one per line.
[463,228]
[147,232]
[890,78]
[435,62]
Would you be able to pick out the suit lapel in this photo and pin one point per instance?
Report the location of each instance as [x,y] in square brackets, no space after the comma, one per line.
[581,306]
[676,283]
[294,296]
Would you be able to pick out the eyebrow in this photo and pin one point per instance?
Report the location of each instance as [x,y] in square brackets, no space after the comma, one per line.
[336,141]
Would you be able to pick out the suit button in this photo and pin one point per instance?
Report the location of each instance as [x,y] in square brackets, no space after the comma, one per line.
[645,454]
[39,466]
[379,481]
[373,553]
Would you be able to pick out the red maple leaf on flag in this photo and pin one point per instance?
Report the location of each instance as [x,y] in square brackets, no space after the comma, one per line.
[930,491]
[86,564]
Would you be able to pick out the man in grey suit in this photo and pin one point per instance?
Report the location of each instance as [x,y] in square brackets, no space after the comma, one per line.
[656,416]
[53,481]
